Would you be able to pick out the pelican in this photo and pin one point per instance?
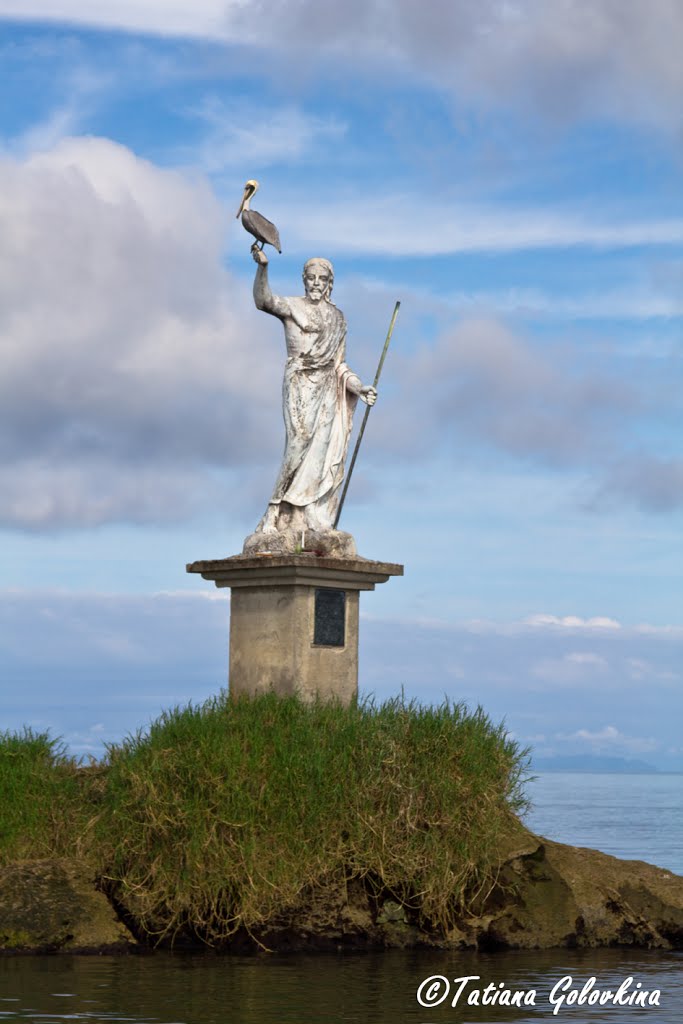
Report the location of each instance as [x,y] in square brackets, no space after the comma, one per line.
[262,229]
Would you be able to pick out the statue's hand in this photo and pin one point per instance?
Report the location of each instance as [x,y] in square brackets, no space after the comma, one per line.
[368,395]
[259,255]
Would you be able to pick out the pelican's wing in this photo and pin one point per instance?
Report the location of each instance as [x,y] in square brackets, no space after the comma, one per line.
[261,228]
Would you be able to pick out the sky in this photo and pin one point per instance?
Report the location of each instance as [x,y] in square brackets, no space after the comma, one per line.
[511,171]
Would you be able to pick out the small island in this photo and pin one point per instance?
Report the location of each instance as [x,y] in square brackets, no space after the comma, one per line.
[269,824]
[286,815]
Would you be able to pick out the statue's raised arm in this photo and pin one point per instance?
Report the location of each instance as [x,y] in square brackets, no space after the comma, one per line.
[263,296]
[319,396]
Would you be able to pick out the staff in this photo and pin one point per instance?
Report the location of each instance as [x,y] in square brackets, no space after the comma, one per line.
[367,413]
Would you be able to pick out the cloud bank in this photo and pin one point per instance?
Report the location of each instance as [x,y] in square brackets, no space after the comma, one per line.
[404,224]
[615,58]
[127,375]
[83,659]
[485,387]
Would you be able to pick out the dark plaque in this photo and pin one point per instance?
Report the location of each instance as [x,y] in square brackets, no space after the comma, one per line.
[329,620]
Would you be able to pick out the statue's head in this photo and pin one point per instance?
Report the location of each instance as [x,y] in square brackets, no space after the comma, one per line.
[318,278]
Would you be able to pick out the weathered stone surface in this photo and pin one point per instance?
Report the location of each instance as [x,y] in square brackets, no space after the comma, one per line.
[319,396]
[272,648]
[249,570]
[326,543]
[273,644]
[551,895]
[53,906]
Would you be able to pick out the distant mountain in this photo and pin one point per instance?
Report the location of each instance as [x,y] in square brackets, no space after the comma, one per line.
[585,763]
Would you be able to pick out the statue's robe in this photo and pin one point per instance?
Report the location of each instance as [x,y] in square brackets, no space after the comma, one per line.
[318,412]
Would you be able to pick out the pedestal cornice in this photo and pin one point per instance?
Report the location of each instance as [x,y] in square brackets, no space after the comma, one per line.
[291,570]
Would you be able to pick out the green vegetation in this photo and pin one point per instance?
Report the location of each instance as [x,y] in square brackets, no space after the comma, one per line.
[224,816]
[42,801]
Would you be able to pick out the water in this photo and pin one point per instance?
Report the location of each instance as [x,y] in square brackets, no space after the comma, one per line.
[636,817]
[375,988]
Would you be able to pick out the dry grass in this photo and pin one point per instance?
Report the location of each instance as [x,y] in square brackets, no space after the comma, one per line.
[222,816]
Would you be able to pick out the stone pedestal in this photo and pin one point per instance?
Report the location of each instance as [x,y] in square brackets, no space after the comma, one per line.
[294,621]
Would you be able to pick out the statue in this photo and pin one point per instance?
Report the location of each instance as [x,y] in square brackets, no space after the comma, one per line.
[319,396]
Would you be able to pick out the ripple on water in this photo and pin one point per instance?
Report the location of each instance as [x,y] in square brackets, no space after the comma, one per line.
[374,988]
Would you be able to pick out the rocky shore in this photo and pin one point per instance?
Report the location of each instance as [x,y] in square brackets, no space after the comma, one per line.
[546,895]
[54,906]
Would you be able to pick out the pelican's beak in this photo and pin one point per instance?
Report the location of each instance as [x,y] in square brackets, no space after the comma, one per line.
[247,193]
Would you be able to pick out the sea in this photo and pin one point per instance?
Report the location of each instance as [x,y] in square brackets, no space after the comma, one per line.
[636,817]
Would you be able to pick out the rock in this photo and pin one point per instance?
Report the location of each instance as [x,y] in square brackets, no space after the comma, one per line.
[53,905]
[392,913]
[325,543]
[546,896]
[551,895]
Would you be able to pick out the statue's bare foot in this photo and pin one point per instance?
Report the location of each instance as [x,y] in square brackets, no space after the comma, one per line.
[269,522]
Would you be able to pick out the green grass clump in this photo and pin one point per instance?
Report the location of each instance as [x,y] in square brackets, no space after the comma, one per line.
[227,816]
[224,815]
[41,801]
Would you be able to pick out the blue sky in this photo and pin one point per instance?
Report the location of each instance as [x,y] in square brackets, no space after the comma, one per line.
[511,172]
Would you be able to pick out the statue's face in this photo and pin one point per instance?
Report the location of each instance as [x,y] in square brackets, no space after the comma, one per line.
[316,281]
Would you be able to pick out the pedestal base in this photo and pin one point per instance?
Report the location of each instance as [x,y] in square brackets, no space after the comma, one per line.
[294,621]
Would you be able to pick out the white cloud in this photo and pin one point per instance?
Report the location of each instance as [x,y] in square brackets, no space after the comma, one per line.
[208,18]
[673,631]
[652,480]
[128,376]
[640,668]
[483,387]
[483,383]
[636,303]
[571,622]
[615,57]
[67,490]
[80,87]
[59,123]
[118,630]
[587,658]
[557,626]
[396,224]
[241,134]
[609,738]
[574,668]
[215,594]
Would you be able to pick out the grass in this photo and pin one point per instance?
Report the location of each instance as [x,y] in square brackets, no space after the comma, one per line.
[42,803]
[224,816]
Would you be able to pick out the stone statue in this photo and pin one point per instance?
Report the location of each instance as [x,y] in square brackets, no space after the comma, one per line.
[319,395]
